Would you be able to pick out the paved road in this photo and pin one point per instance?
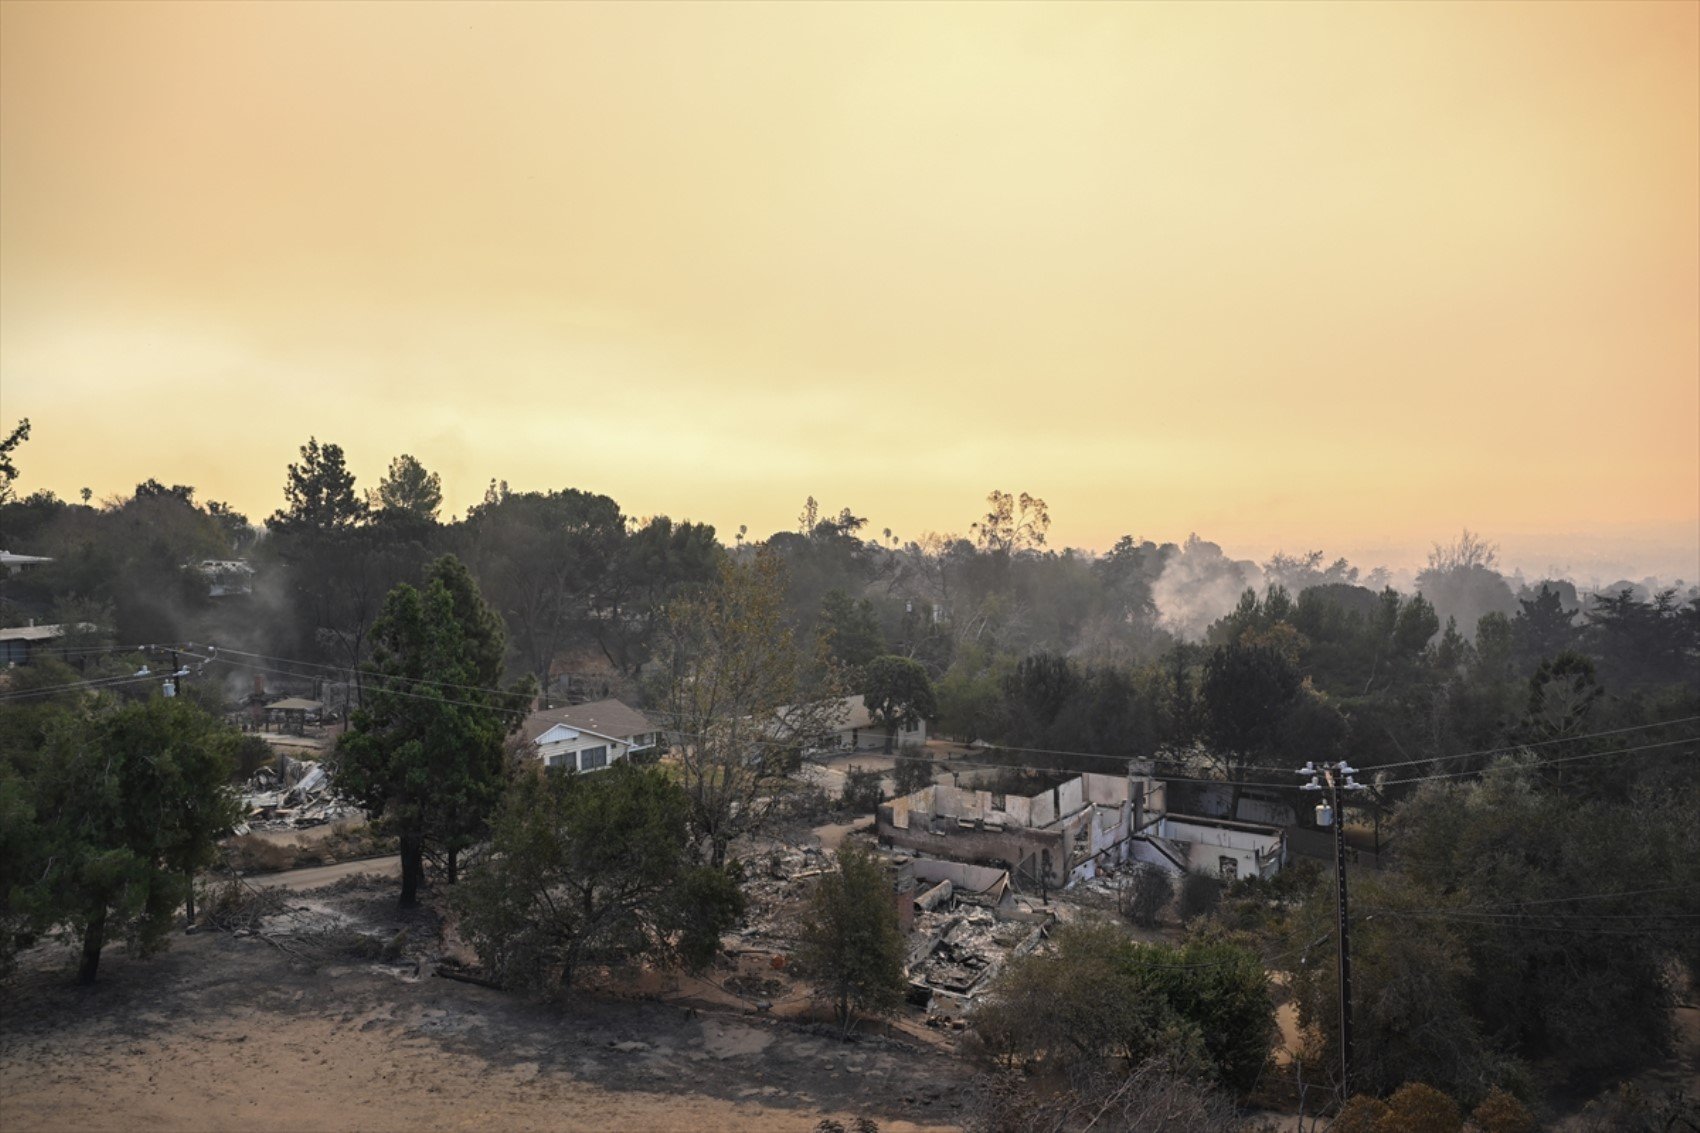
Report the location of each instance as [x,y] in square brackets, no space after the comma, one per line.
[325,874]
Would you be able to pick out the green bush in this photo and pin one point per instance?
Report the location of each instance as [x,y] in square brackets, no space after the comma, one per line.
[863,790]
[914,770]
[1147,895]
[1200,895]
[1204,1008]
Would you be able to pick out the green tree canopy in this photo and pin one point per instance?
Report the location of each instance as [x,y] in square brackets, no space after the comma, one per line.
[8,467]
[898,694]
[318,493]
[129,803]
[1526,869]
[849,629]
[587,868]
[657,562]
[848,937]
[1100,995]
[409,489]
[424,753]
[542,558]
[1248,691]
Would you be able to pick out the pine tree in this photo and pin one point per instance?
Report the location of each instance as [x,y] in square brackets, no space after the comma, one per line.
[423,756]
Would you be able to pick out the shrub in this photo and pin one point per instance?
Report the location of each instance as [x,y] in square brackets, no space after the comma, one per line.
[914,770]
[1502,1113]
[252,753]
[250,853]
[809,802]
[1628,1109]
[863,790]
[1146,896]
[1362,1113]
[1200,895]
[1204,1009]
[1416,1108]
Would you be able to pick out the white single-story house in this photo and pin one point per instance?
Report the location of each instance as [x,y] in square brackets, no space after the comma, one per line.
[11,564]
[19,643]
[857,730]
[589,737]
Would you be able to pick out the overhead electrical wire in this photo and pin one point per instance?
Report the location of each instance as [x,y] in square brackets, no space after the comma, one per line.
[380,679]
[226,655]
[1506,749]
[1466,915]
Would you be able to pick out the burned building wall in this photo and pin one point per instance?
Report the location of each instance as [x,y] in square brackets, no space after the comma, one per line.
[1035,856]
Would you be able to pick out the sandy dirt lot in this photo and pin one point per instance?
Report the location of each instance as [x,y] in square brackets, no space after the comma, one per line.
[230,1033]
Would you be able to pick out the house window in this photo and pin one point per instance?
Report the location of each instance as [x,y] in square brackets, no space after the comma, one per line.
[557,762]
[1228,867]
[592,758]
[998,801]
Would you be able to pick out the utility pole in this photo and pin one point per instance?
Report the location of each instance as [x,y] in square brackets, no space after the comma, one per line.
[1338,777]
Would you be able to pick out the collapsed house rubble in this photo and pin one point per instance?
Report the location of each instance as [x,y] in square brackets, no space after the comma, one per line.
[295,796]
[1070,832]
[962,922]
[965,923]
[775,884]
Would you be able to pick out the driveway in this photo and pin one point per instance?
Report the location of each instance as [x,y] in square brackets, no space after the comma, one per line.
[316,876]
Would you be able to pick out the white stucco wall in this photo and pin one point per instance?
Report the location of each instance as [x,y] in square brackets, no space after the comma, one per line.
[563,747]
[1254,853]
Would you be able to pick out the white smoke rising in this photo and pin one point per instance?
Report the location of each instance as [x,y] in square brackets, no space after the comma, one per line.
[1200,584]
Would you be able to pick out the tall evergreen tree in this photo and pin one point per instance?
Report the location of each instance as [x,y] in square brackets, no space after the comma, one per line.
[409,489]
[423,756]
[318,493]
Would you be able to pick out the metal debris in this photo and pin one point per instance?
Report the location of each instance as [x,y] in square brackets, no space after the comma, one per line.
[295,799]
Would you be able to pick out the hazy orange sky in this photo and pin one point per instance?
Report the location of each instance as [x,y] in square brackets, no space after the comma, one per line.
[1307,275]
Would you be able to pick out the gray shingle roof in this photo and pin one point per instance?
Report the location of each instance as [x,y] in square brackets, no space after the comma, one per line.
[602,717]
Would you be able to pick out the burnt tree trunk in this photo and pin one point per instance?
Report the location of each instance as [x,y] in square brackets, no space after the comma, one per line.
[412,869]
[94,937]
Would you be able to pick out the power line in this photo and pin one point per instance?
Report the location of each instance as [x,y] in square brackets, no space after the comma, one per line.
[97,684]
[1409,762]
[1549,762]
[385,684]
[1604,896]
[1527,927]
[1123,760]
[1119,759]
[1523,918]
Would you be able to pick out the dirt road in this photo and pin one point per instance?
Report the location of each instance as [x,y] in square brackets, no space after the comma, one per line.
[298,879]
